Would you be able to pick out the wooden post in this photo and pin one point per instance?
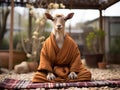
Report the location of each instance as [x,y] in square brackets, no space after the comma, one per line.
[30,26]
[100,45]
[102,41]
[70,28]
[101,20]
[11,37]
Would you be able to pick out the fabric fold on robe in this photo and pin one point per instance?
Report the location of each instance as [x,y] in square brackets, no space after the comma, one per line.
[60,61]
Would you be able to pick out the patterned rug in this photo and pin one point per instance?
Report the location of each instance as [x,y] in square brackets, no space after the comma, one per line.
[25,84]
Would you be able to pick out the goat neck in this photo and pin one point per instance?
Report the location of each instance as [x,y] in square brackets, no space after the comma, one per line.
[59,36]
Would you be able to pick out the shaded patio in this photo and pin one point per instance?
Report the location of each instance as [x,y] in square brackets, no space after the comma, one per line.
[70,4]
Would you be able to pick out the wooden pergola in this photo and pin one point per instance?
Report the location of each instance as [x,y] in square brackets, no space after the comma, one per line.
[70,4]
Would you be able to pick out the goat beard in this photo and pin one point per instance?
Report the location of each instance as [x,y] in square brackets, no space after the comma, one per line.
[59,35]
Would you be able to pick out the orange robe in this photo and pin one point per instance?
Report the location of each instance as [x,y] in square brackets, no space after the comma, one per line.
[60,61]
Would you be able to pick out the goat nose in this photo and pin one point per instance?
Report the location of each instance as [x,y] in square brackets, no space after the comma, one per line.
[59,26]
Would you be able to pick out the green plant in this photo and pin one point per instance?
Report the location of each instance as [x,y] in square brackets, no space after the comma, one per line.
[16,39]
[90,41]
[115,46]
[5,44]
[94,39]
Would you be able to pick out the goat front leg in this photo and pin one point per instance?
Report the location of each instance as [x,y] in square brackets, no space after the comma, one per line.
[50,76]
[72,75]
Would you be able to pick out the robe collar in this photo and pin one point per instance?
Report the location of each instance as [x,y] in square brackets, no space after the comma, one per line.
[55,44]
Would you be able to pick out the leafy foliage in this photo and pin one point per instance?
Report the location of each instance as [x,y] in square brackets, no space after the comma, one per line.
[92,39]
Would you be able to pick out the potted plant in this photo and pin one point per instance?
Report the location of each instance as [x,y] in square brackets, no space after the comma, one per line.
[93,43]
[101,59]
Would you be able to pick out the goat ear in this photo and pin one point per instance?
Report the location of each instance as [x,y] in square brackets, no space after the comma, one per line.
[69,16]
[48,16]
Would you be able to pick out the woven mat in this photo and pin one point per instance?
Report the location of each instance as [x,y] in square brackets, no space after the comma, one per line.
[25,84]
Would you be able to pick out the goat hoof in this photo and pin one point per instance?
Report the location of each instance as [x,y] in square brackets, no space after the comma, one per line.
[72,75]
[50,76]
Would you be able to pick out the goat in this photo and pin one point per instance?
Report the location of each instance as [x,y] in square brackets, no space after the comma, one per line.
[59,33]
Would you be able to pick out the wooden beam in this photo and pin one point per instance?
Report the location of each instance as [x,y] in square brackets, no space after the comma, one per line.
[75,4]
[11,37]
[109,4]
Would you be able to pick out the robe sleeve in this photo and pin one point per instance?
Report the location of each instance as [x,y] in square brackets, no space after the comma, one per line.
[76,64]
[45,63]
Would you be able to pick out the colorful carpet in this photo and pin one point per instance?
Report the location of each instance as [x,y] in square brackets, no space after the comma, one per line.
[25,84]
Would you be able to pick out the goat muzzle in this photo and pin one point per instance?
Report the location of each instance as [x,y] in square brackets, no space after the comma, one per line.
[59,27]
